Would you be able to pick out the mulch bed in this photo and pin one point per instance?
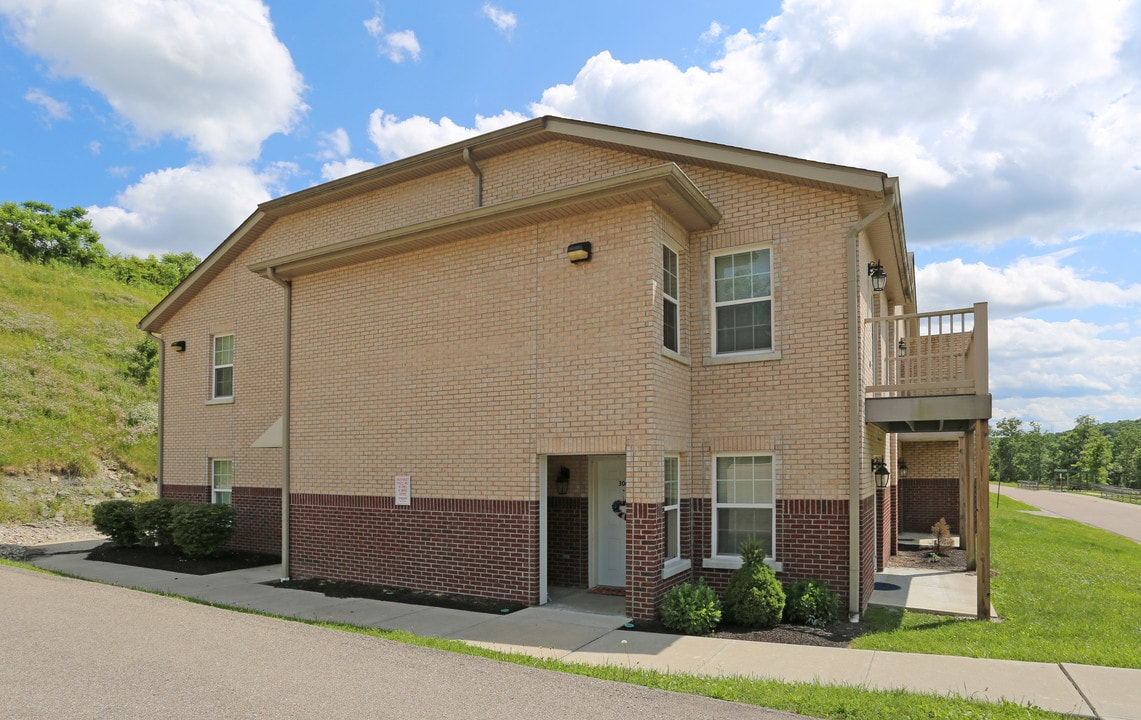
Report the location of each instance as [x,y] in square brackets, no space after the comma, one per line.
[340,589]
[160,559]
[838,634]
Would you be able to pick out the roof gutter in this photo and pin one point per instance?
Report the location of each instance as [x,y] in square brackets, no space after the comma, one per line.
[287,333]
[855,446]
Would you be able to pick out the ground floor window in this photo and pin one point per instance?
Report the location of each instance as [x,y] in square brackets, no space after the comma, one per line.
[222,481]
[671,475]
[743,503]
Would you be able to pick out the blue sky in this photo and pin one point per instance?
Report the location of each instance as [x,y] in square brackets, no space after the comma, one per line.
[1014,126]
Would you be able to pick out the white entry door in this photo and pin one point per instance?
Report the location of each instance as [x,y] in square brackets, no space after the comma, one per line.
[610,529]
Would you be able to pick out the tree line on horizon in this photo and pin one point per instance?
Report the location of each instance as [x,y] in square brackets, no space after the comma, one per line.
[37,232]
[1101,453]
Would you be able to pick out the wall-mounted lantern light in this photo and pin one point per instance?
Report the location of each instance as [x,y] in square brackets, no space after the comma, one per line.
[578,252]
[562,482]
[901,348]
[179,345]
[902,468]
[878,276]
[881,473]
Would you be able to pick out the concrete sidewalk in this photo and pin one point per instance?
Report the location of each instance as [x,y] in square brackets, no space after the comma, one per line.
[581,637]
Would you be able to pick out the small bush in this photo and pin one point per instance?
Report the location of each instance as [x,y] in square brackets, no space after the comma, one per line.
[691,608]
[116,520]
[942,534]
[202,530]
[754,597]
[153,520]
[810,602]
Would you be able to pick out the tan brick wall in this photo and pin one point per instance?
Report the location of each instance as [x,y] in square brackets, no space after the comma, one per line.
[795,406]
[195,430]
[931,459]
[450,368]
[459,364]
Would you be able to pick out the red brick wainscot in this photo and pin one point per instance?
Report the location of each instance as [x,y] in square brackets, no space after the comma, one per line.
[811,540]
[922,501]
[568,541]
[482,548]
[257,514]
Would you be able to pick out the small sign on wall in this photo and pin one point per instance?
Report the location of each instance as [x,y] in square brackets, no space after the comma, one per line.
[403,490]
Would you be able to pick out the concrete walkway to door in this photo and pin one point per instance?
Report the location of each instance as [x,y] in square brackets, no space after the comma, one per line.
[1116,517]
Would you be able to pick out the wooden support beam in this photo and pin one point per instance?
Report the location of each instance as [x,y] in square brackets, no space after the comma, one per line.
[982,521]
[967,498]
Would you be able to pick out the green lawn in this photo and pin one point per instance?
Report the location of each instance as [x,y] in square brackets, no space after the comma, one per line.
[1067,593]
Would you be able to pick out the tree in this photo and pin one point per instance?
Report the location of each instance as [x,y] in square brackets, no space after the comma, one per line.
[1095,457]
[1036,454]
[1070,444]
[37,232]
[1005,438]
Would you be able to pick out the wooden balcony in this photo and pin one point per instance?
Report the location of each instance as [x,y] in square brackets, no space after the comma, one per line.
[930,371]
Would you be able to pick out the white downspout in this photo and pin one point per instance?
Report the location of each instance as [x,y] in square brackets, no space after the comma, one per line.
[287,334]
[161,410]
[855,447]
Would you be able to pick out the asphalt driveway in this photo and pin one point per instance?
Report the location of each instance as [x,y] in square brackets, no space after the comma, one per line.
[1117,517]
[76,649]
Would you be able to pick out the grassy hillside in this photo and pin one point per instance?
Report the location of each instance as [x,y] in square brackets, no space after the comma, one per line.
[69,405]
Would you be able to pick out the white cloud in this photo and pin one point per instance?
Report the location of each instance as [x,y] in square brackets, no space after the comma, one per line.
[505,21]
[334,145]
[340,168]
[54,109]
[395,138]
[396,46]
[715,31]
[95,147]
[1029,284]
[1041,370]
[211,72]
[189,208]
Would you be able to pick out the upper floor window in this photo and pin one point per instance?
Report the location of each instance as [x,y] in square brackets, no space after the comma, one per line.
[744,505]
[223,366]
[222,482]
[670,324]
[743,302]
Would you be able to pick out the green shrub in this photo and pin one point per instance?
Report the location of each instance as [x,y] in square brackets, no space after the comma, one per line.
[153,520]
[691,608]
[754,597]
[202,530]
[116,520]
[810,602]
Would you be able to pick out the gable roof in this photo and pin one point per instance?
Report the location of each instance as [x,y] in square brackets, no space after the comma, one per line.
[866,184]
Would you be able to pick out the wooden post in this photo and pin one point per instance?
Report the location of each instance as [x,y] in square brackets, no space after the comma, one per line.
[967,513]
[982,522]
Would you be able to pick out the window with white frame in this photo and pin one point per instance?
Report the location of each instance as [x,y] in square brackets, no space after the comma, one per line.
[743,302]
[670,318]
[223,366]
[672,508]
[222,481]
[743,503]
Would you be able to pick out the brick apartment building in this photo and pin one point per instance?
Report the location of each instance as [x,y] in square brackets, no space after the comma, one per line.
[567,354]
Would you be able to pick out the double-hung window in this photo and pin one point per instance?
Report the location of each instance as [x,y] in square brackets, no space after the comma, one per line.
[222,481]
[743,302]
[670,322]
[672,507]
[223,385]
[743,503]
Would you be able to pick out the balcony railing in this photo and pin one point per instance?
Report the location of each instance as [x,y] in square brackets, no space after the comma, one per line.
[942,353]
